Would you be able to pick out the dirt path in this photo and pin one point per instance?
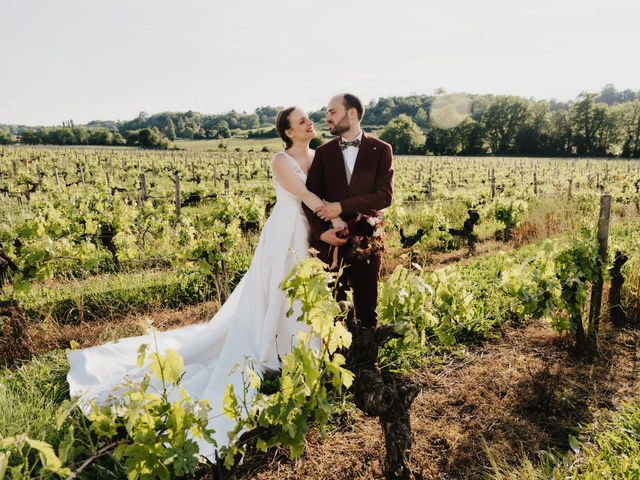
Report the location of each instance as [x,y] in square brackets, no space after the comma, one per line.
[523,393]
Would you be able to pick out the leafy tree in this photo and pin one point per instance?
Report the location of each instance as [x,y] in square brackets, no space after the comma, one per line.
[320,115]
[316,142]
[6,138]
[268,133]
[590,125]
[223,131]
[457,140]
[560,133]
[200,134]
[404,135]
[147,138]
[472,138]
[502,120]
[81,134]
[59,136]
[117,139]
[421,118]
[170,130]
[250,121]
[267,115]
[608,95]
[628,119]
[533,136]
[32,137]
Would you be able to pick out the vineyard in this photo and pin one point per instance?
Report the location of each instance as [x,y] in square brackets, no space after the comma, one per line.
[510,296]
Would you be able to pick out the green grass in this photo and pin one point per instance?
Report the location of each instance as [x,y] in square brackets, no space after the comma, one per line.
[31,394]
[109,296]
[609,451]
[244,144]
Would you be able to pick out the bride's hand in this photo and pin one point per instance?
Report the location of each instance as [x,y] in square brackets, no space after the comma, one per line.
[341,225]
[329,211]
[338,222]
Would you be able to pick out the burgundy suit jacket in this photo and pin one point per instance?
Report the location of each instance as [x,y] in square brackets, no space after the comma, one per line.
[371,186]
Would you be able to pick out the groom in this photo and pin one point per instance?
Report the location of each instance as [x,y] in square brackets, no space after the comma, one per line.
[353,174]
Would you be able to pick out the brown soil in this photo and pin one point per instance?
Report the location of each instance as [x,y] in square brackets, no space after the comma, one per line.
[519,395]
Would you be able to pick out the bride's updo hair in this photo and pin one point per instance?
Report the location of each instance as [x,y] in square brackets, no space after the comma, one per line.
[282,124]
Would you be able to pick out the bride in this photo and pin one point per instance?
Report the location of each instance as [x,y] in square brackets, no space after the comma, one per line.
[252,323]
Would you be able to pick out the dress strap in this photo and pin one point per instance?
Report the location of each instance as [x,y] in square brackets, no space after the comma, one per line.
[295,164]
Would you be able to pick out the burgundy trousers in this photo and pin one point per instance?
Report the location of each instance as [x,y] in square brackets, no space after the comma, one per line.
[361,276]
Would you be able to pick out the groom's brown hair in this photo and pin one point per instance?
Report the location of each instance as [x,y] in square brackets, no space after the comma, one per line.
[351,101]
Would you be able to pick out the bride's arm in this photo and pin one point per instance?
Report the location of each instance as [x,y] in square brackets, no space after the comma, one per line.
[287,177]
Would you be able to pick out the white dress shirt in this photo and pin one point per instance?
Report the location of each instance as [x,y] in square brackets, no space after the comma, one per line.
[349,154]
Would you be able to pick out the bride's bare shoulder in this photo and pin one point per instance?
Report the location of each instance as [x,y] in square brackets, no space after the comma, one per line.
[278,156]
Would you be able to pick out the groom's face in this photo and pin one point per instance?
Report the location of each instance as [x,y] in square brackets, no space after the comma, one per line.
[337,116]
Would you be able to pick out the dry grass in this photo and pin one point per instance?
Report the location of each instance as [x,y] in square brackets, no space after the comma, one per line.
[38,338]
[524,393]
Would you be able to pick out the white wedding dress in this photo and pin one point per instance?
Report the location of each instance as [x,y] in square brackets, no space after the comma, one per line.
[252,323]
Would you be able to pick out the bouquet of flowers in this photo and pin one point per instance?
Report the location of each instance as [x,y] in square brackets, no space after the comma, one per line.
[365,235]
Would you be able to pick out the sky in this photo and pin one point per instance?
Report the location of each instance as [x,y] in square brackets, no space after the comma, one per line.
[85,60]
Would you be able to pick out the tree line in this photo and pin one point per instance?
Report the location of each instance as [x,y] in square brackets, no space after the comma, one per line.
[594,124]
[144,137]
[510,125]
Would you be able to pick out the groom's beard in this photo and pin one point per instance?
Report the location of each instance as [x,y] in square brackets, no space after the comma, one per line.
[340,127]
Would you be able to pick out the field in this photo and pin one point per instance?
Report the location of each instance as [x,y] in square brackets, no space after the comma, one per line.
[96,244]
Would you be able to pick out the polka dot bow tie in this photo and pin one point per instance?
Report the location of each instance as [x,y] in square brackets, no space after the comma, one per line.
[353,143]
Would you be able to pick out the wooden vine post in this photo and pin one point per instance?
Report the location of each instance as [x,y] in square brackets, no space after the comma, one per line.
[603,240]
[493,184]
[178,206]
[143,187]
[215,172]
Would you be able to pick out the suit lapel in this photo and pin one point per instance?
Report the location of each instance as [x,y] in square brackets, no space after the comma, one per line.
[359,166]
[340,167]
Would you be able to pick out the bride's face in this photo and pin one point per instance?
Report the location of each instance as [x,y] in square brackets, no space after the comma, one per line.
[301,126]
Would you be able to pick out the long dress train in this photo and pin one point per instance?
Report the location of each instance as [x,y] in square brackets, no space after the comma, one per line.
[252,323]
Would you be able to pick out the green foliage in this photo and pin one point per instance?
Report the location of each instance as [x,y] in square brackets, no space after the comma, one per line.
[627,116]
[464,139]
[510,212]
[501,121]
[554,283]
[404,136]
[150,432]
[311,374]
[151,138]
[316,142]
[170,130]
[603,450]
[207,253]
[425,307]
[429,218]
[72,136]
[6,138]
[599,125]
[593,127]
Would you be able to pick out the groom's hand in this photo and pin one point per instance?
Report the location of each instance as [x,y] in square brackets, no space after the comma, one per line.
[331,237]
[329,211]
